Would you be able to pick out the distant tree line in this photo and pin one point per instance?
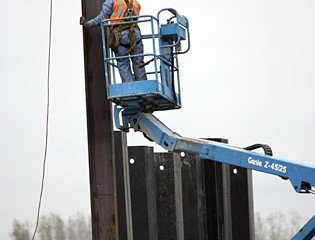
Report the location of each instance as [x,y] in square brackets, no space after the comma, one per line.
[53,227]
[275,226]
[278,226]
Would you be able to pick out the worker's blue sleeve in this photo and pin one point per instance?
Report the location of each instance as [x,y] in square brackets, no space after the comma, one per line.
[105,13]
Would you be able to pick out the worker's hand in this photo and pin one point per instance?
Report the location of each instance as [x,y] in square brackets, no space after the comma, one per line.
[83,21]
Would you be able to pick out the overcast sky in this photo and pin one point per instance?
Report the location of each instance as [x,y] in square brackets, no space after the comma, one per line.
[249,77]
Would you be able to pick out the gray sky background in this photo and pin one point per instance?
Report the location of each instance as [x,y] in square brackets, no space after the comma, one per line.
[249,77]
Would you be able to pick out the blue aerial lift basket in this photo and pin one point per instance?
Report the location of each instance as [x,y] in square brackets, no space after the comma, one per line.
[162,43]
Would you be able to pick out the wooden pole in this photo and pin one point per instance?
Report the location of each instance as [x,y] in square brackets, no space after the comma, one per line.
[100,132]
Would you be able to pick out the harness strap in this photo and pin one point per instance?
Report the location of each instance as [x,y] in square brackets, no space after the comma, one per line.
[129,45]
[125,26]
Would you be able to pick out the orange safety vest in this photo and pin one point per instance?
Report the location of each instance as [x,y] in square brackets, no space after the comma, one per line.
[120,7]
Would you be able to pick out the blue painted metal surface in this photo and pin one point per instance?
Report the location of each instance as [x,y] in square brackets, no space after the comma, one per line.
[137,100]
[307,232]
[302,177]
[162,89]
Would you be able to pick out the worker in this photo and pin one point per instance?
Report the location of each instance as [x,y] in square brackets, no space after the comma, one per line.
[129,40]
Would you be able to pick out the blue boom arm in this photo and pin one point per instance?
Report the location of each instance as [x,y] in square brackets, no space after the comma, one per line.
[302,177]
[161,91]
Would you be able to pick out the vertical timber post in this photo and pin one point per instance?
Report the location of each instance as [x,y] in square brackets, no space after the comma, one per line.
[124,211]
[100,132]
[229,201]
[169,196]
[242,203]
[194,196]
[143,195]
[218,198]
